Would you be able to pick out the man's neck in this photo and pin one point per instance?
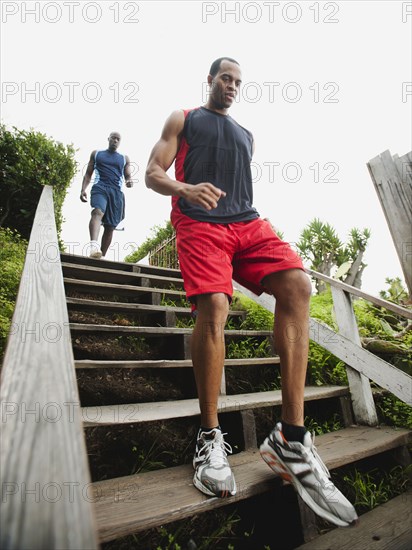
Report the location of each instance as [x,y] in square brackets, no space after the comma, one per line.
[212,107]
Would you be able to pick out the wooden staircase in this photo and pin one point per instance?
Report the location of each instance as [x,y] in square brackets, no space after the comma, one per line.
[129,504]
[48,497]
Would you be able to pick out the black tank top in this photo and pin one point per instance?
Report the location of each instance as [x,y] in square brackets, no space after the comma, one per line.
[215,148]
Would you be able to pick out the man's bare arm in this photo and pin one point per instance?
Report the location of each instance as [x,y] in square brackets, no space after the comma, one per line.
[87,177]
[128,173]
[161,158]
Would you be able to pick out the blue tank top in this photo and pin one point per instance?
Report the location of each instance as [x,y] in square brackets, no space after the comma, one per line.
[215,148]
[109,168]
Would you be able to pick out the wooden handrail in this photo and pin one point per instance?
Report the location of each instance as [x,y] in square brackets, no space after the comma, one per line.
[46,486]
[399,310]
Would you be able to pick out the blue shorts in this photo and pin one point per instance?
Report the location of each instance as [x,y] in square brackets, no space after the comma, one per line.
[110,200]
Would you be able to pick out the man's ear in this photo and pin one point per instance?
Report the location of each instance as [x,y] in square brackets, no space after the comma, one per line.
[209,79]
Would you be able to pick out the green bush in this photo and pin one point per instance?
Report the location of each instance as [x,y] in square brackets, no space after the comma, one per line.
[12,252]
[31,160]
[323,367]
[257,317]
[393,411]
[158,235]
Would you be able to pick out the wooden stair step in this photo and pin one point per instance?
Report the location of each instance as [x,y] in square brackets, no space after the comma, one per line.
[120,266]
[104,274]
[124,307]
[162,410]
[135,503]
[97,287]
[387,527]
[158,331]
[165,364]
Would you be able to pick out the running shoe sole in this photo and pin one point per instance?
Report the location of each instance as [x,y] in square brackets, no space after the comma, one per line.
[223,494]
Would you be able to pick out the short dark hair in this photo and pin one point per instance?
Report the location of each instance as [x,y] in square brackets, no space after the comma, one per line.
[214,68]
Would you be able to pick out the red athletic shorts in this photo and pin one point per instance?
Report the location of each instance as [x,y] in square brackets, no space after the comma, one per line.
[211,254]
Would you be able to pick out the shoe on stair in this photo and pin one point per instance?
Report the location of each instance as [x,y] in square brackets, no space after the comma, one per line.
[213,475]
[302,466]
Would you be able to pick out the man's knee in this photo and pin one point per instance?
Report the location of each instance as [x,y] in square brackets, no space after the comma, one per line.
[97,213]
[290,286]
[214,306]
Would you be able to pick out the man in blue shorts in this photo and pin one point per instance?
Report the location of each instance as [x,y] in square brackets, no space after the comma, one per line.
[106,196]
[221,236]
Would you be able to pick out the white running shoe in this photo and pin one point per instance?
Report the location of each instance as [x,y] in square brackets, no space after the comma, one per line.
[213,475]
[95,251]
[302,466]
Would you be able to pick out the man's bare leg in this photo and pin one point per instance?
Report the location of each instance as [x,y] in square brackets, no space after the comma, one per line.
[107,239]
[213,475]
[292,290]
[95,223]
[208,353]
[288,456]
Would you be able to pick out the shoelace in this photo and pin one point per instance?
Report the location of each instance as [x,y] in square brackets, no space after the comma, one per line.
[214,450]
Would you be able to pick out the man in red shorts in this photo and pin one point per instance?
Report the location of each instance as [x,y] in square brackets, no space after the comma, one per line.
[220,236]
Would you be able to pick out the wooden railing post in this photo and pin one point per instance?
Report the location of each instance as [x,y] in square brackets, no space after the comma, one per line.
[361,393]
[392,178]
[46,488]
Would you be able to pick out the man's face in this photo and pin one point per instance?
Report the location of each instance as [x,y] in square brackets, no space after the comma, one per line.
[225,84]
[114,141]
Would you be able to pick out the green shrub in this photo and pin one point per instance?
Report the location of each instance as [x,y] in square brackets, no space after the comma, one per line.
[12,252]
[393,411]
[158,235]
[257,317]
[31,160]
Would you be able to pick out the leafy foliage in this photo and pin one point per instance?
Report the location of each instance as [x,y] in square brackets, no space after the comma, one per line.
[12,253]
[323,367]
[257,317]
[389,335]
[394,412]
[396,292]
[31,160]
[320,244]
[370,489]
[248,348]
[333,424]
[158,235]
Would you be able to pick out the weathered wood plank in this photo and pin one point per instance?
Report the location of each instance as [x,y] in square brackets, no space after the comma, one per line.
[104,274]
[113,288]
[158,331]
[394,195]
[170,364]
[387,527]
[131,504]
[399,310]
[123,266]
[127,307]
[360,388]
[384,374]
[44,469]
[404,167]
[161,410]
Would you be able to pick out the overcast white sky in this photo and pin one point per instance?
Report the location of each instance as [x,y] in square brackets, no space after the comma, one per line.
[327,86]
